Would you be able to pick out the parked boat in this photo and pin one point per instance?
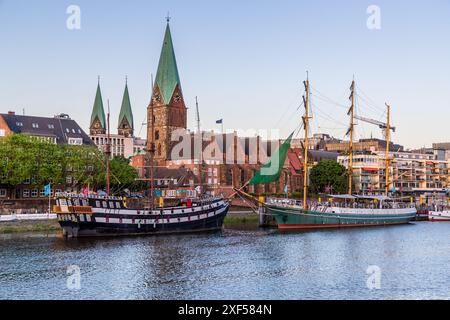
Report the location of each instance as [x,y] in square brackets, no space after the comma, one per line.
[356,211]
[84,216]
[81,216]
[439,214]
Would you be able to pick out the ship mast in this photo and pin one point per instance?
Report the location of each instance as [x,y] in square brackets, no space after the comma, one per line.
[388,138]
[351,113]
[108,156]
[151,150]
[305,157]
[200,160]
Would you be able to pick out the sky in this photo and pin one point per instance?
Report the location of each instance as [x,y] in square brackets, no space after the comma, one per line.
[245,60]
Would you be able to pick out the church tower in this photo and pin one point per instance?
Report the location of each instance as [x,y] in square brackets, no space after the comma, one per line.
[126,125]
[98,121]
[167,103]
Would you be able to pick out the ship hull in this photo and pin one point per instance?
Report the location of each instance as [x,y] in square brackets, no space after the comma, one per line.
[298,219]
[439,216]
[105,223]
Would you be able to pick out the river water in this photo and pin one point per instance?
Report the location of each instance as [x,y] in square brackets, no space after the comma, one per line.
[404,262]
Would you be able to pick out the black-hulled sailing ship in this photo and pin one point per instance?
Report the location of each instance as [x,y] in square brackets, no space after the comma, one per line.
[93,215]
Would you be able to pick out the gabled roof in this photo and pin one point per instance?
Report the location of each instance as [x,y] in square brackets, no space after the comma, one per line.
[60,127]
[167,77]
[125,111]
[97,110]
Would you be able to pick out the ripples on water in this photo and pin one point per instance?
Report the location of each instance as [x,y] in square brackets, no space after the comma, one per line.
[233,264]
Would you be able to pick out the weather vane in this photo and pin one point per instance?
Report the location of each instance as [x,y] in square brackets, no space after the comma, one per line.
[168,17]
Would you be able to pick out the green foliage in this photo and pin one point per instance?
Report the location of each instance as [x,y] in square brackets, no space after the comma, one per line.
[23,157]
[123,176]
[328,173]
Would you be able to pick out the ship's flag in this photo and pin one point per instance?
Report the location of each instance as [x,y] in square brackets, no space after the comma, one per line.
[48,190]
[271,171]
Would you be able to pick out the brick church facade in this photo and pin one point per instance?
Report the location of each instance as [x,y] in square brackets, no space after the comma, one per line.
[232,162]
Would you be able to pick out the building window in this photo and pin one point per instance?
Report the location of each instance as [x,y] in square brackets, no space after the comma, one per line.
[2,193]
[42,193]
[19,124]
[67,130]
[34,193]
[50,126]
[26,193]
[75,141]
[2,132]
[157,135]
[35,125]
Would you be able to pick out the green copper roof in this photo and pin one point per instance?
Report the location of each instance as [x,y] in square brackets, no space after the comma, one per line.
[125,110]
[97,110]
[167,77]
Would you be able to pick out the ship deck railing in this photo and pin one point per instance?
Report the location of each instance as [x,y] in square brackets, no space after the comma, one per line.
[322,206]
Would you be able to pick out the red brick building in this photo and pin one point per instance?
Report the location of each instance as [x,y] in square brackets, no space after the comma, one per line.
[228,160]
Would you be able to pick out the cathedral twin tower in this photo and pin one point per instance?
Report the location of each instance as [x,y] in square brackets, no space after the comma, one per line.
[167,105]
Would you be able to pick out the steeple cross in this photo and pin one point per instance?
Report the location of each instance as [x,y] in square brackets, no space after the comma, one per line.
[168,17]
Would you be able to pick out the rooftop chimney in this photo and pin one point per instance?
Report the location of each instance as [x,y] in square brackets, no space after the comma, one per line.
[11,113]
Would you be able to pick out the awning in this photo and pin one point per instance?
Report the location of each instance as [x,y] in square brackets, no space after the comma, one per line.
[370,169]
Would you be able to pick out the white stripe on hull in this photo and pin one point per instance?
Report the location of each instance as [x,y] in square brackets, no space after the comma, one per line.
[158,212]
[143,221]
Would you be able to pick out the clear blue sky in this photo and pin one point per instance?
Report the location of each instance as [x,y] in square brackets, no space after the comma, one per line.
[246,60]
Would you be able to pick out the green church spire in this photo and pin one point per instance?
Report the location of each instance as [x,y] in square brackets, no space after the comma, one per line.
[167,77]
[98,113]
[126,114]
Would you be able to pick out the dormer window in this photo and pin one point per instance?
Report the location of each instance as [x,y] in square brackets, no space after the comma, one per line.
[19,124]
[50,126]
[35,125]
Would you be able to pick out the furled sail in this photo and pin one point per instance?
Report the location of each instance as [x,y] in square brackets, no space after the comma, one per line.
[271,171]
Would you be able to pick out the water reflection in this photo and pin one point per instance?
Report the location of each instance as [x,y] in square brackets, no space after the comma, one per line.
[233,264]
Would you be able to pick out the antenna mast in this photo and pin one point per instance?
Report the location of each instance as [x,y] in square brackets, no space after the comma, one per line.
[351,113]
[306,144]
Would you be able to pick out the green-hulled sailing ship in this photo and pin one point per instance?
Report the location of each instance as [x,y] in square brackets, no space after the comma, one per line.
[340,211]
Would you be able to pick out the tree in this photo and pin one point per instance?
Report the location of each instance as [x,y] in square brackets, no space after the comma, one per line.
[23,157]
[328,176]
[27,158]
[123,176]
